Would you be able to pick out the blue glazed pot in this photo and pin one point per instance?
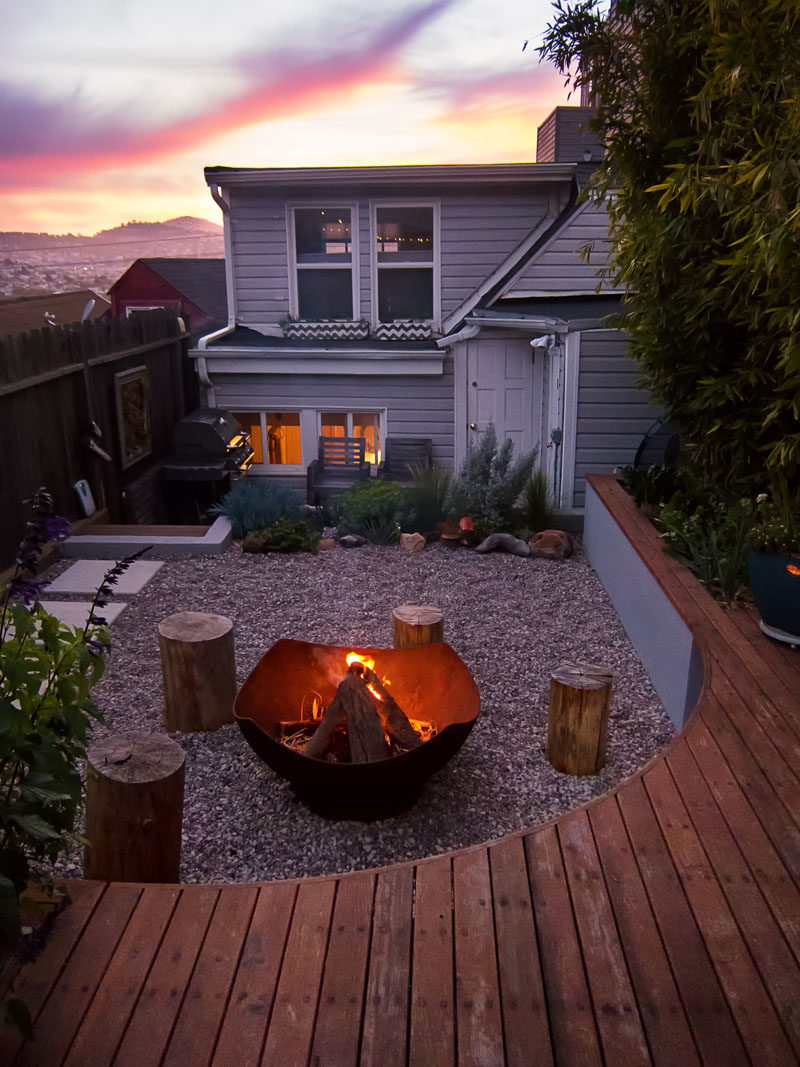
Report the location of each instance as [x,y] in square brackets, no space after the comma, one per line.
[775,581]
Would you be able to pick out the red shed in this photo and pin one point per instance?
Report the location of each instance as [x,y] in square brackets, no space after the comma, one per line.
[193,288]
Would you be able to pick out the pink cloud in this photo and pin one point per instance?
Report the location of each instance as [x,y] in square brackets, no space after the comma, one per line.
[68,135]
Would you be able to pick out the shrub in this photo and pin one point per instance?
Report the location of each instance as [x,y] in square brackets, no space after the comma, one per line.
[711,541]
[367,506]
[289,535]
[537,512]
[488,485]
[428,497]
[255,504]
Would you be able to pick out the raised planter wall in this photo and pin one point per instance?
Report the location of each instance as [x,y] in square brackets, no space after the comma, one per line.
[655,629]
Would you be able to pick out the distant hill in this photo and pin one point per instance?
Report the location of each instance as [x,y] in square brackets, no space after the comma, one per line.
[32,263]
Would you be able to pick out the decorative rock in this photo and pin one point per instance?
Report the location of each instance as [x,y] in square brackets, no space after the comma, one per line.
[326,544]
[414,542]
[503,542]
[352,541]
[552,544]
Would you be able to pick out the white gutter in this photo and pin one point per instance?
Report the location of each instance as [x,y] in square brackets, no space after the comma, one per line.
[230,290]
[465,334]
[520,323]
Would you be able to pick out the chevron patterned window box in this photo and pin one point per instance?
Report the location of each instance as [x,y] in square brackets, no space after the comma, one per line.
[404,330]
[327,330]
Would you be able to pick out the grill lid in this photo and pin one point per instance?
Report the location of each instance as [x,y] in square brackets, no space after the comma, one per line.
[207,431]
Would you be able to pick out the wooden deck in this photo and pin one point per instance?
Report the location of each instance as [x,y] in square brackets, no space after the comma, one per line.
[660,924]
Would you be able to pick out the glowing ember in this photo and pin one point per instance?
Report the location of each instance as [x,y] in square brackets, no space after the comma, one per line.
[790,567]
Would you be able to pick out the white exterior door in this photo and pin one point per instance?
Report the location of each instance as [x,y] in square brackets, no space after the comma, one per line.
[500,390]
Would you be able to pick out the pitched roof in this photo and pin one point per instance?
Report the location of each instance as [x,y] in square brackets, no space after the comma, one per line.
[21,314]
[202,281]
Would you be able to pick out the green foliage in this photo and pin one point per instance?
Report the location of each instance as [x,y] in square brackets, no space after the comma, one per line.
[383,531]
[428,497]
[711,541]
[697,101]
[289,535]
[255,504]
[489,485]
[371,506]
[777,525]
[537,508]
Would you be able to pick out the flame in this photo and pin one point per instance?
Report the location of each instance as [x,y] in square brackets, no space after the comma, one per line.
[366,661]
[790,567]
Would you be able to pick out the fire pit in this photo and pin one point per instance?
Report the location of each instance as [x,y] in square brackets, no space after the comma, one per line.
[283,703]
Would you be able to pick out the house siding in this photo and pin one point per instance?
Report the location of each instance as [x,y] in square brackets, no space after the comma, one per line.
[614,413]
[479,229]
[558,266]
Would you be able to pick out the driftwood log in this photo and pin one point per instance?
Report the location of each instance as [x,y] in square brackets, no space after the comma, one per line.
[417,624]
[199,671]
[580,699]
[352,704]
[134,809]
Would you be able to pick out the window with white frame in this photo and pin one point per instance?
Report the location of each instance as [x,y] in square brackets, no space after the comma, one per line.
[286,441]
[274,435]
[324,284]
[405,258]
[366,424]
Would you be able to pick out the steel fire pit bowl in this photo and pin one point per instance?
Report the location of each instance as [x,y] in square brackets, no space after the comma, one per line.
[429,682]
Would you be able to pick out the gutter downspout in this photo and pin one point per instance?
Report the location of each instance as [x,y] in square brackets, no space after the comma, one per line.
[464,334]
[219,198]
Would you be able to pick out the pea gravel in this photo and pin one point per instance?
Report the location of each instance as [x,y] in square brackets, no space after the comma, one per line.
[512,620]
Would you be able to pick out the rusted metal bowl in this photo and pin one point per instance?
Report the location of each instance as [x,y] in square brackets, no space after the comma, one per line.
[429,682]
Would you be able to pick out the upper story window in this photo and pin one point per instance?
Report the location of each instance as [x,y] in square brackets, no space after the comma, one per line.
[406,255]
[322,245]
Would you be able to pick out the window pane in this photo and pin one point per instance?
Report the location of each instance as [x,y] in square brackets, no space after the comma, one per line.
[404,233]
[283,437]
[405,294]
[322,235]
[367,425]
[333,424]
[324,294]
[250,422]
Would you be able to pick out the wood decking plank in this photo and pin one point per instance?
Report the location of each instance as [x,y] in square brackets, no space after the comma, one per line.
[771,954]
[616,1011]
[66,1006]
[432,1029]
[37,978]
[525,1023]
[479,1025]
[195,1032]
[709,1015]
[769,871]
[338,1030]
[151,1023]
[781,658]
[105,1021]
[750,1003]
[244,1027]
[385,1027]
[292,1021]
[569,1007]
[749,773]
[668,1033]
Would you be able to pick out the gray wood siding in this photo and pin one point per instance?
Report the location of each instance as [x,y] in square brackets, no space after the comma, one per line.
[546,140]
[416,406]
[614,413]
[558,266]
[479,229]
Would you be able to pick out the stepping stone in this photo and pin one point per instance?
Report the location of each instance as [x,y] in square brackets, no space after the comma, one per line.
[76,612]
[86,575]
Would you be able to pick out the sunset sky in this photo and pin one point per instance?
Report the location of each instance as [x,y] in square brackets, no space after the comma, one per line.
[109,112]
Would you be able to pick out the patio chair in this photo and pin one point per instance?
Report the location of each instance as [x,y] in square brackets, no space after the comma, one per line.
[340,462]
[402,453]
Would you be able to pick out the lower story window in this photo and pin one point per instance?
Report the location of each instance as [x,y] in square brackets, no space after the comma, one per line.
[366,424]
[274,435]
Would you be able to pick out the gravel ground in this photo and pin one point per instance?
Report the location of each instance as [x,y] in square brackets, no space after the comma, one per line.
[511,620]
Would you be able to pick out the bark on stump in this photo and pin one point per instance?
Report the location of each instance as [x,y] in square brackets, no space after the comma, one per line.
[580,699]
[199,670]
[134,809]
[417,624]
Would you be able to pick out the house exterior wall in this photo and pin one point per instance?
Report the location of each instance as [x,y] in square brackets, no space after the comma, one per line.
[563,137]
[479,229]
[559,268]
[613,412]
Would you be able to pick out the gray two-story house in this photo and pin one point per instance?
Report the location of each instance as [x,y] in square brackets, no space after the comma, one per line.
[424,301]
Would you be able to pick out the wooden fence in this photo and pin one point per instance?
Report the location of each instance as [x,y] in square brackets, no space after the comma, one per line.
[129,378]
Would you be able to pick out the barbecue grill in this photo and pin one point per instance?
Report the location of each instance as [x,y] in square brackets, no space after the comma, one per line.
[209,444]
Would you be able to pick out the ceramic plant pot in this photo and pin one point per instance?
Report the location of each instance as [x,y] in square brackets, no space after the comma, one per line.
[775,581]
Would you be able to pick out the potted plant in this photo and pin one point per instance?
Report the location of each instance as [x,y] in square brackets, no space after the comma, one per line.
[774,562]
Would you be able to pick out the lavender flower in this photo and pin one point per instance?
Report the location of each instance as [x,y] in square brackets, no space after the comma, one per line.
[44,525]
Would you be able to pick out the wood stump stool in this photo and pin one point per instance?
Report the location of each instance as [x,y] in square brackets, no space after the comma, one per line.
[134,809]
[417,624]
[199,670]
[580,699]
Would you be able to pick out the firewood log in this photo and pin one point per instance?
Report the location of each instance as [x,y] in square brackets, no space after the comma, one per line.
[395,720]
[354,704]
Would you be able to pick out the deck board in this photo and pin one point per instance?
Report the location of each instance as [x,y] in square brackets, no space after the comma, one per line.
[660,924]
